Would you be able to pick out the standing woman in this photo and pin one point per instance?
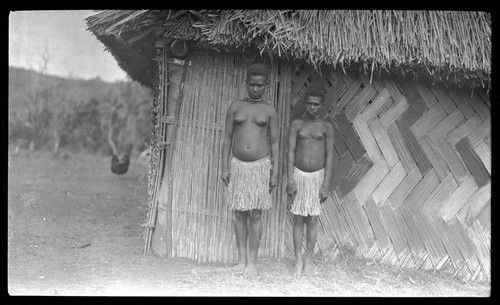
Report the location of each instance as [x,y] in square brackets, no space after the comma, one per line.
[310,158]
[251,134]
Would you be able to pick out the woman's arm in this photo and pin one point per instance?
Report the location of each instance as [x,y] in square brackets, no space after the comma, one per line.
[274,139]
[329,140]
[292,141]
[227,143]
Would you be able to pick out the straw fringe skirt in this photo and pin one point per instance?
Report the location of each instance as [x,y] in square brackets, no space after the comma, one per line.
[306,201]
[248,187]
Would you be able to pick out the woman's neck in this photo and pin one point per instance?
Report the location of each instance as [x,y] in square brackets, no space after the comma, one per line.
[255,100]
[311,118]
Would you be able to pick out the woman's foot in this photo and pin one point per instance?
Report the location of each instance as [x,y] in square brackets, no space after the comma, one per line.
[308,265]
[299,265]
[250,269]
[240,267]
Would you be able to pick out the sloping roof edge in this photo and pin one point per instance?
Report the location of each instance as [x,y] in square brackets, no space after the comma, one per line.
[455,50]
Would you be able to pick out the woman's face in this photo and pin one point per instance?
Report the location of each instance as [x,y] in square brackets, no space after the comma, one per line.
[256,86]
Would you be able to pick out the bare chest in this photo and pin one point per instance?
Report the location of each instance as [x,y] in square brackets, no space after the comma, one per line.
[311,131]
[251,115]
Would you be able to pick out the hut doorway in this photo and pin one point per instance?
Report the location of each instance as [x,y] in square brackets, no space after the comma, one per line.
[200,226]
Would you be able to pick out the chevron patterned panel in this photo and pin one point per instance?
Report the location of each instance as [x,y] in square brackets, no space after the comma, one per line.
[412,171]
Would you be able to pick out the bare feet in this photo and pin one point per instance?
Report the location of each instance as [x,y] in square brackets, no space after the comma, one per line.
[298,268]
[250,269]
[308,265]
[239,267]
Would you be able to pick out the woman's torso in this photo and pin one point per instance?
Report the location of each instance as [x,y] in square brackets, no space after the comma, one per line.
[251,126]
[310,146]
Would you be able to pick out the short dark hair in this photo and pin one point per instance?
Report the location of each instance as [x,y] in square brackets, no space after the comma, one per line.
[315,91]
[258,69]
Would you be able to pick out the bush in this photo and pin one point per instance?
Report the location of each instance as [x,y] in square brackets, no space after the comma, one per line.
[79,111]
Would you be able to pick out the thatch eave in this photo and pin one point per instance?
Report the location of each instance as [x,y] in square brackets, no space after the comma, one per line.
[313,37]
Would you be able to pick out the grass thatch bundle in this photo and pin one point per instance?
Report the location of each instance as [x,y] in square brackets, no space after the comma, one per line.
[448,46]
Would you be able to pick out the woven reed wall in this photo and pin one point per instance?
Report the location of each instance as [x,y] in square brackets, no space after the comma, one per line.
[202,225]
[411,183]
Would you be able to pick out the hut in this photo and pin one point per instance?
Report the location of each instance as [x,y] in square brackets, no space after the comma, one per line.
[406,91]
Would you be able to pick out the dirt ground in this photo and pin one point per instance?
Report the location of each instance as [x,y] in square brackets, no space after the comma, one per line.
[74,229]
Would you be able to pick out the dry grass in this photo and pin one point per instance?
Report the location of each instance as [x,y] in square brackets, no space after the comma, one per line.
[340,278]
[73,229]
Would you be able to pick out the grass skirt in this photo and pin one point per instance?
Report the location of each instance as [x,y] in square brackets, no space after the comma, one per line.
[306,201]
[248,187]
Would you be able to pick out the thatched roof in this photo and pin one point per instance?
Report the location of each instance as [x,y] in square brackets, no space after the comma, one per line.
[452,47]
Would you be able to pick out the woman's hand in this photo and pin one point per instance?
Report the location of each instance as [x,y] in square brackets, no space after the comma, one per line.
[323,194]
[291,188]
[273,182]
[225,175]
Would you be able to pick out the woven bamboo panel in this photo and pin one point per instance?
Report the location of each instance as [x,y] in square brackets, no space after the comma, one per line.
[384,142]
[426,196]
[411,177]
[387,186]
[428,121]
[202,226]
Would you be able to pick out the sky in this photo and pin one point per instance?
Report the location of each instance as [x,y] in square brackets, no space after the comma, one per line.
[72,50]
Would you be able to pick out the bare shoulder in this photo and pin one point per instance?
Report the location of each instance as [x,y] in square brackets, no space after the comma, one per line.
[237,103]
[328,126]
[234,105]
[270,108]
[296,123]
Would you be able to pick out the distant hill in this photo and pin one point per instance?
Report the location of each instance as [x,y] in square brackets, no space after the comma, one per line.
[90,105]
[76,89]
